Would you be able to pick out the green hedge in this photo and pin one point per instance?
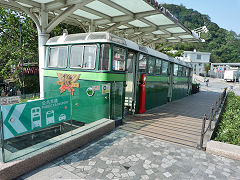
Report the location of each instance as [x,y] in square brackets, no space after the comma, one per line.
[229,126]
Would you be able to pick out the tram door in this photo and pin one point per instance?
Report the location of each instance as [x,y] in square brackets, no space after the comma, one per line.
[130,81]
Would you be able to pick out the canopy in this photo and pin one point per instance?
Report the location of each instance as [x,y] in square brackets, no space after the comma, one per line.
[142,21]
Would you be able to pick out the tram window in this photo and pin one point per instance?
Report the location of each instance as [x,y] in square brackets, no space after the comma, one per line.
[83,57]
[175,73]
[184,72]
[187,72]
[180,70]
[142,63]
[58,57]
[130,61]
[151,65]
[119,57]
[158,66]
[76,56]
[89,57]
[164,67]
[104,57]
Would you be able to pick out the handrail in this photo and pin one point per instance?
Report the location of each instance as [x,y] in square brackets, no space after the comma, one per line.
[212,116]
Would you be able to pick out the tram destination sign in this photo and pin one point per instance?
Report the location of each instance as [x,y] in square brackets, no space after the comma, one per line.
[19,119]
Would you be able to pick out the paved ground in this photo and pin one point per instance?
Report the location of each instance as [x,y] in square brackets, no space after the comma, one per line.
[126,155]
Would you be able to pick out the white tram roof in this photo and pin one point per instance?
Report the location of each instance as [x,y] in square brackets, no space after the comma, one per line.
[106,37]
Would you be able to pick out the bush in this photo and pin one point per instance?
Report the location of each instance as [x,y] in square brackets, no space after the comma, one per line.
[22,100]
[229,126]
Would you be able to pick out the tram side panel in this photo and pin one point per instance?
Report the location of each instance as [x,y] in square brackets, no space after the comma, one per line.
[180,87]
[86,107]
[156,91]
[180,82]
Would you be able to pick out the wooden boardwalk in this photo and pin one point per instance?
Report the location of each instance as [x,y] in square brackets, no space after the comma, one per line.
[178,122]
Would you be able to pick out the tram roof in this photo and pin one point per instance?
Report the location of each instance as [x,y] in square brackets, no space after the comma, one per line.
[106,37]
[142,21]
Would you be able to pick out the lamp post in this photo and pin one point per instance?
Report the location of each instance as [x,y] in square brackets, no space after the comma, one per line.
[21,42]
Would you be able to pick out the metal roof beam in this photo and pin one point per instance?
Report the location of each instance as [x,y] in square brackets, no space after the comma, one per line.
[61,4]
[7,5]
[31,3]
[74,16]
[116,6]
[79,24]
[55,21]
[96,13]
[114,26]
[27,11]
[127,18]
[147,29]
[154,25]
[159,40]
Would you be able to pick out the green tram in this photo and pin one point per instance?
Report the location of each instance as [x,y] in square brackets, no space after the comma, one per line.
[104,72]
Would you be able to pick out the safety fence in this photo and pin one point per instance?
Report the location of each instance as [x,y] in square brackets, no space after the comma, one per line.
[212,116]
[29,127]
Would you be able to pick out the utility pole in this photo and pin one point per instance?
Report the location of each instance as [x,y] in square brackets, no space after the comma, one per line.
[21,60]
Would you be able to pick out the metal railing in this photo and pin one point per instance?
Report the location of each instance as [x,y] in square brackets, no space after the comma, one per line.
[212,116]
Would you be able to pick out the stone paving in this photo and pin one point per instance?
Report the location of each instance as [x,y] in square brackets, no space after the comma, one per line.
[125,155]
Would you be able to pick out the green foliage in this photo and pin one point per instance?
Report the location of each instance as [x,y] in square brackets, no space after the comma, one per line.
[32,82]
[10,58]
[207,67]
[58,31]
[22,100]
[229,127]
[224,45]
[170,51]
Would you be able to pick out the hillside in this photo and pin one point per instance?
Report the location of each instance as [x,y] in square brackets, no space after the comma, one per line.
[224,45]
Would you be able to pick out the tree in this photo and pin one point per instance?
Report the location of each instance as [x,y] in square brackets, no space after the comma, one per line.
[224,45]
[207,67]
[10,59]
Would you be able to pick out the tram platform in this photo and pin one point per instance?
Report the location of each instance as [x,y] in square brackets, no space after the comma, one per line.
[177,122]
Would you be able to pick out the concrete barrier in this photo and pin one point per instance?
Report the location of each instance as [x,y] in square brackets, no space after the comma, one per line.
[223,149]
[19,167]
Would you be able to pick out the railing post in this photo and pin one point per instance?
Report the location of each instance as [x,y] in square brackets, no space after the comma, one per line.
[220,101]
[2,136]
[215,109]
[210,117]
[202,132]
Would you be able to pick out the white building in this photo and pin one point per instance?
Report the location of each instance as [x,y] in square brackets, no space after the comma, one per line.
[197,59]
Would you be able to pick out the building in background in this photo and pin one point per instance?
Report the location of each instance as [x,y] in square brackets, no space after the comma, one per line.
[197,59]
[217,70]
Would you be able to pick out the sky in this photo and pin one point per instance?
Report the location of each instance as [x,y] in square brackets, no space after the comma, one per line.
[225,13]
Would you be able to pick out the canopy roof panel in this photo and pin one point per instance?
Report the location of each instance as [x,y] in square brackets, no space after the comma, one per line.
[142,21]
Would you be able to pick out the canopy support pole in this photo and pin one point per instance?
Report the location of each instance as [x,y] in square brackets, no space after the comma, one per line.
[92,26]
[43,37]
